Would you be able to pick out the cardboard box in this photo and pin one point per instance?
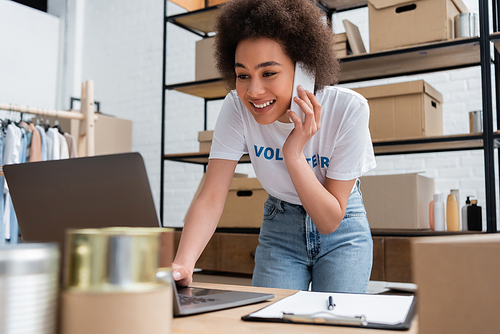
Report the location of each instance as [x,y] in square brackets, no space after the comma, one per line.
[236,175]
[343,4]
[117,312]
[340,38]
[341,53]
[340,46]
[205,139]
[399,23]
[191,5]
[340,41]
[205,68]
[457,279]
[244,204]
[404,110]
[354,41]
[112,135]
[398,201]
[215,2]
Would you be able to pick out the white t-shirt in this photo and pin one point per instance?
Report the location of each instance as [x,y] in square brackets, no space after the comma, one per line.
[340,150]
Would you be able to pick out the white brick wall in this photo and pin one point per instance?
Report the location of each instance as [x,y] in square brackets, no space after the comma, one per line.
[122,53]
[28,56]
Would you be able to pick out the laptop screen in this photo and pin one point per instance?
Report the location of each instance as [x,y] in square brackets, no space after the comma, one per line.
[52,196]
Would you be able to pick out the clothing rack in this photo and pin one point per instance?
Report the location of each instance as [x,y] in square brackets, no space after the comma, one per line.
[83,132]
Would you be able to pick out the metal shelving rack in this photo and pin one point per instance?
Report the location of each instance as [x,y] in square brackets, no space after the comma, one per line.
[425,58]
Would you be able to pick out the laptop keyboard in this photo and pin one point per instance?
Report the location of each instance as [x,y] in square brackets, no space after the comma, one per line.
[188,300]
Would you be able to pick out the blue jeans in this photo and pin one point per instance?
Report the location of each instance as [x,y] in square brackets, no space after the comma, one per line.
[292,254]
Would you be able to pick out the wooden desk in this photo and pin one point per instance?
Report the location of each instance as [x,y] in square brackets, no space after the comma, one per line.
[229,321]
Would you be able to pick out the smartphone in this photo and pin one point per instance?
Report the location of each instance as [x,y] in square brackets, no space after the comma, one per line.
[302,78]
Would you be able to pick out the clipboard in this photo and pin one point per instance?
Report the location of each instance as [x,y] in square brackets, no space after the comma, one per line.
[393,312]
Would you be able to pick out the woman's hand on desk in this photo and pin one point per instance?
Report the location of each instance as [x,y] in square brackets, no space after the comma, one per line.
[182,276]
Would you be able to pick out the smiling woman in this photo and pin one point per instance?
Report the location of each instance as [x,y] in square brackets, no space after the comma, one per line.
[264,79]
[315,232]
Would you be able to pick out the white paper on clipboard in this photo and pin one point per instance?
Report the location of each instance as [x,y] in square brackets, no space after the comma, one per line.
[378,309]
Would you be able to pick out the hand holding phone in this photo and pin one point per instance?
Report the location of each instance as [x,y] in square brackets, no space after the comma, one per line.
[303,79]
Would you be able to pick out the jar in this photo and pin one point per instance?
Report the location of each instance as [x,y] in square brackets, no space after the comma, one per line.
[29,282]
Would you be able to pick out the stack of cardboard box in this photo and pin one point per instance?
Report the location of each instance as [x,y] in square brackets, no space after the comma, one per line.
[341,45]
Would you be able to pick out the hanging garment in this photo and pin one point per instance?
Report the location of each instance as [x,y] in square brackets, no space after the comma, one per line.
[71,145]
[6,215]
[36,144]
[14,227]
[12,145]
[2,181]
[44,148]
[11,155]
[24,146]
[50,147]
[28,134]
[64,153]
[56,144]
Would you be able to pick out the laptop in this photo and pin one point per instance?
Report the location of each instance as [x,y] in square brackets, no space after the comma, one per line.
[92,192]
[102,191]
[189,300]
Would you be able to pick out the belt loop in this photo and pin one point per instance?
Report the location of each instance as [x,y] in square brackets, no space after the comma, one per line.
[279,205]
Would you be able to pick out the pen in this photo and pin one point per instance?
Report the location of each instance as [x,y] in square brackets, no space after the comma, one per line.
[331,305]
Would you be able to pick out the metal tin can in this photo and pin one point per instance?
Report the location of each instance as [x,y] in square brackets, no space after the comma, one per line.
[112,259]
[466,25]
[476,121]
[166,246]
[111,284]
[29,282]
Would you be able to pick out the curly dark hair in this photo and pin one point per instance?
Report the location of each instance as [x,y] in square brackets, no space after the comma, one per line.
[298,26]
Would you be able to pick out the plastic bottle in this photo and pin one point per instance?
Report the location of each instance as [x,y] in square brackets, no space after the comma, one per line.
[452,219]
[457,195]
[431,215]
[474,216]
[464,214]
[439,222]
